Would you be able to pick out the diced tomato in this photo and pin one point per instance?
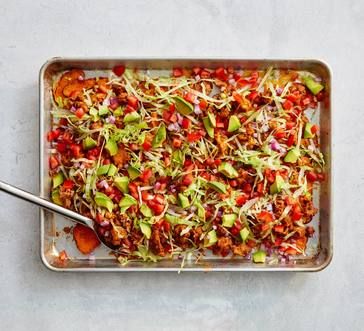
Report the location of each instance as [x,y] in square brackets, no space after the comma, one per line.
[193,136]
[247,188]
[296,213]
[291,97]
[172,107]
[177,142]
[205,74]
[221,74]
[106,161]
[241,199]
[186,122]
[217,162]
[187,164]
[76,150]
[254,75]
[290,125]
[190,97]
[53,162]
[252,95]
[242,82]
[173,117]
[133,189]
[79,112]
[68,184]
[237,97]
[166,226]
[233,183]
[147,145]
[99,218]
[311,176]
[118,70]
[146,196]
[61,147]
[196,70]
[187,180]
[290,140]
[133,102]
[167,115]
[63,122]
[314,129]
[279,228]
[157,208]
[146,175]
[128,109]
[234,231]
[279,134]
[203,104]
[53,135]
[177,72]
[265,216]
[288,104]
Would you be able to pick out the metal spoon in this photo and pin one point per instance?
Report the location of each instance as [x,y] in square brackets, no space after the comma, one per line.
[71,215]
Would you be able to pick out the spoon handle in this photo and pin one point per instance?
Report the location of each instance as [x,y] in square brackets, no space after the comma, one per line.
[73,216]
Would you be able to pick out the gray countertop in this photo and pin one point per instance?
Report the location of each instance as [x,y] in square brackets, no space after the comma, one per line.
[32,297]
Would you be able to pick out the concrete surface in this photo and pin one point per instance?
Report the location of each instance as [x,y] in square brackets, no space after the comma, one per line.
[33,298]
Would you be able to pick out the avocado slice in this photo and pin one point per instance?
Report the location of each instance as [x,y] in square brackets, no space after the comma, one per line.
[58,179]
[217,186]
[102,200]
[112,170]
[133,172]
[160,136]
[132,117]
[118,111]
[178,157]
[103,110]
[292,155]
[234,123]
[103,170]
[212,119]
[259,257]
[146,229]
[183,200]
[182,106]
[112,147]
[122,183]
[126,202]
[200,211]
[307,132]
[94,113]
[244,234]
[312,85]
[209,129]
[210,239]
[228,170]
[56,198]
[145,210]
[277,186]
[88,143]
[228,220]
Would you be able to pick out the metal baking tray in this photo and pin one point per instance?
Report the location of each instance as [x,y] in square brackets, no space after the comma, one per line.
[54,240]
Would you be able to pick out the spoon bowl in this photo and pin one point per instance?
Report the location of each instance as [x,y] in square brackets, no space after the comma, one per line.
[46,204]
